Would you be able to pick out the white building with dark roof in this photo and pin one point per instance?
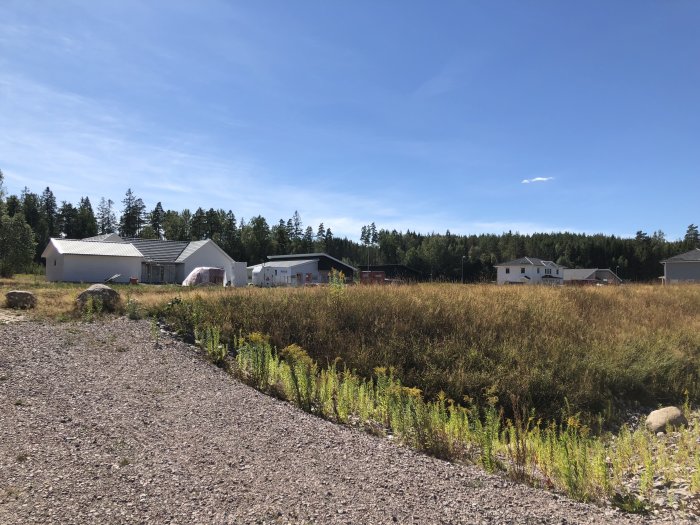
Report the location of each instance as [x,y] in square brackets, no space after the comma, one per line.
[683,268]
[529,270]
[148,260]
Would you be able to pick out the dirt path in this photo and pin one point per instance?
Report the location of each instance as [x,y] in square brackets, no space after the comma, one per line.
[97,425]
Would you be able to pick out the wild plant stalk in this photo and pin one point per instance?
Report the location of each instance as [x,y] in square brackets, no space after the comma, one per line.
[565,456]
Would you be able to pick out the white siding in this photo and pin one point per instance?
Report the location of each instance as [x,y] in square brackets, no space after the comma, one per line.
[97,268]
[210,255]
[517,276]
[54,267]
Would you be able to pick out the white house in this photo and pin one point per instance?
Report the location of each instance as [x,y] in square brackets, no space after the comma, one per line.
[92,262]
[529,270]
[683,268]
[149,260]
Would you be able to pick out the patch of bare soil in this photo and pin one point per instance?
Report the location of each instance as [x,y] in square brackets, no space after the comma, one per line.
[98,424]
[10,316]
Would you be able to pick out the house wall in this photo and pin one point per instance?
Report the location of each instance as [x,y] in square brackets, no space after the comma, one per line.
[208,255]
[516,276]
[97,268]
[682,272]
[609,275]
[54,267]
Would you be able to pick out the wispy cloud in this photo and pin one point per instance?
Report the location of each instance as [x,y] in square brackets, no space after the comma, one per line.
[537,179]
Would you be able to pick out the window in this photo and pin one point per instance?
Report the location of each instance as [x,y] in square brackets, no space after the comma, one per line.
[54,262]
[507,269]
[557,272]
[522,270]
[538,270]
[548,271]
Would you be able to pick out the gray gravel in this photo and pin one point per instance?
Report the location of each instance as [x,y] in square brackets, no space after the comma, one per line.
[98,425]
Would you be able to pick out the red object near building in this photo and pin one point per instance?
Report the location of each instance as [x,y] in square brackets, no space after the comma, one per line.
[371,277]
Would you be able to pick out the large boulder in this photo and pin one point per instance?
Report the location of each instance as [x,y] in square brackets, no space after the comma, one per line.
[103,298]
[20,299]
[658,420]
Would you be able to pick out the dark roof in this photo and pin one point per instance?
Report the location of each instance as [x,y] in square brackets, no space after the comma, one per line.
[156,250]
[530,261]
[691,256]
[295,256]
[394,271]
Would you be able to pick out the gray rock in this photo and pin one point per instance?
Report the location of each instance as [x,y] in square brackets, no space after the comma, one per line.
[20,299]
[658,420]
[102,295]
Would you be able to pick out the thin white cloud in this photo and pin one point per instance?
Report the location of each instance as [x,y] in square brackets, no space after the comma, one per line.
[537,179]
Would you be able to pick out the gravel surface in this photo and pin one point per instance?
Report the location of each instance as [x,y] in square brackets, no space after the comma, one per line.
[100,425]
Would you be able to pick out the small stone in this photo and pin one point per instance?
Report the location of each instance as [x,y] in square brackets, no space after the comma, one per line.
[658,420]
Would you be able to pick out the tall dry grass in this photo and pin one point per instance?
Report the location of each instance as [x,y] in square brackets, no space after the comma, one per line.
[593,347]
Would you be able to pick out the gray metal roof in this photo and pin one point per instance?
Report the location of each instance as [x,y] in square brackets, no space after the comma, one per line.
[530,261]
[105,237]
[312,256]
[156,250]
[580,274]
[190,249]
[112,249]
[691,256]
[284,264]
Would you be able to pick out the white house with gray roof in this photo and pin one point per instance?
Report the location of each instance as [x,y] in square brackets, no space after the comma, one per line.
[683,268]
[529,270]
[148,260]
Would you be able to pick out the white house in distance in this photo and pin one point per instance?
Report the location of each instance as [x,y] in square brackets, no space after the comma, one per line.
[96,259]
[683,268]
[529,270]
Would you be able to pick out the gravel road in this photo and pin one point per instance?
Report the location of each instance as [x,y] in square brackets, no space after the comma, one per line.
[98,425]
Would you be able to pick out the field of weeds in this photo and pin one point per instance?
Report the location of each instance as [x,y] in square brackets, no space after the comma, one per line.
[525,380]
[558,351]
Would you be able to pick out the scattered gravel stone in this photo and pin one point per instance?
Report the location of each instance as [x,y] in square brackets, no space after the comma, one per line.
[114,429]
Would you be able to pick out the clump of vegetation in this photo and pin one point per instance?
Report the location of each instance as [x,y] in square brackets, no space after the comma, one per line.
[565,456]
[210,341]
[93,308]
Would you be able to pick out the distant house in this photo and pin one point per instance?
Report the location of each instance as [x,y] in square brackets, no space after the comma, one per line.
[595,276]
[683,268]
[529,270]
[149,260]
[298,270]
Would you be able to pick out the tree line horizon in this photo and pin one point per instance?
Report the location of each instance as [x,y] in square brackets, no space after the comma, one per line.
[445,257]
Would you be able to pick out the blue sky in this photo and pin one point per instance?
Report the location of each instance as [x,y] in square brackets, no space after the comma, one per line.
[411,114]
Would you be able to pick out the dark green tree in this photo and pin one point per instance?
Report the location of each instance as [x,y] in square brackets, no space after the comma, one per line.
[85,223]
[17,245]
[106,219]
[155,219]
[132,218]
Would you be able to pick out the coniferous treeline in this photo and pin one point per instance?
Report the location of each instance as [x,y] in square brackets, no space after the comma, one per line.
[438,256]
